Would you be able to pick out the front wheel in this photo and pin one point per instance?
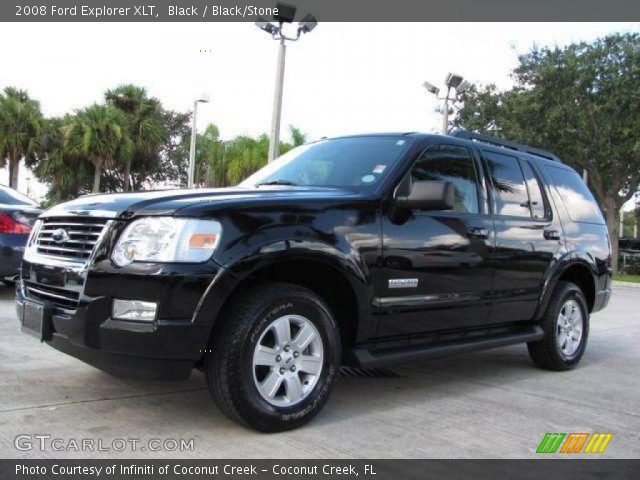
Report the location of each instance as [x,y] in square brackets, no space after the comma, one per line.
[274,360]
[566,328]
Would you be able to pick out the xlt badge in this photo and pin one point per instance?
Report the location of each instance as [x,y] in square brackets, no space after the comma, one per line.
[403,283]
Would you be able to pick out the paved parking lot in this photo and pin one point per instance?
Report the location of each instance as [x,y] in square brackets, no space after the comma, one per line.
[490,404]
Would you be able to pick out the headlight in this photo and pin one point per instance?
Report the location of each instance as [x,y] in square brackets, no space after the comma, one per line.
[167,239]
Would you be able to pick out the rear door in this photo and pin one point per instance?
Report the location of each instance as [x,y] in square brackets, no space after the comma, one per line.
[527,236]
[436,271]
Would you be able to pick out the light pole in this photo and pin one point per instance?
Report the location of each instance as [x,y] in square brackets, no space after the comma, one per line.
[204,98]
[455,82]
[286,14]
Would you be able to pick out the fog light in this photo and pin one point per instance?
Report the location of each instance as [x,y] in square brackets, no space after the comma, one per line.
[134,310]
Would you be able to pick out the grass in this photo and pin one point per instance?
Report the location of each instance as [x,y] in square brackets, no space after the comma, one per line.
[627,278]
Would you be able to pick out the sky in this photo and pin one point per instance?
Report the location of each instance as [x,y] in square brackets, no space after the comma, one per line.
[341,78]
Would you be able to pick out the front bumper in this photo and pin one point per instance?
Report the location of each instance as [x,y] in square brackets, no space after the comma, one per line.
[166,348]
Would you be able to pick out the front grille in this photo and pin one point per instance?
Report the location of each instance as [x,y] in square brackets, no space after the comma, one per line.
[76,243]
[60,297]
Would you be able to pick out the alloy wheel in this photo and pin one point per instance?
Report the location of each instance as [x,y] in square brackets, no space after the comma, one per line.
[287,360]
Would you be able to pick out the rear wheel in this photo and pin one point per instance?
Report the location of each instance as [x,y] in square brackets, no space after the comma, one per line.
[275,359]
[566,329]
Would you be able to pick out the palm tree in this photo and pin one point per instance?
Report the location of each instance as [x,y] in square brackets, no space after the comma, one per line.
[245,155]
[297,136]
[20,128]
[100,133]
[67,173]
[211,168]
[146,125]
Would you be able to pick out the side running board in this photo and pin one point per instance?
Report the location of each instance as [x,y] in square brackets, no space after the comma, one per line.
[376,358]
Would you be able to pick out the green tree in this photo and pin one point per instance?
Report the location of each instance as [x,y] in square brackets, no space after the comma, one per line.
[245,155]
[211,161]
[171,165]
[101,133]
[67,174]
[20,130]
[297,137]
[146,126]
[582,102]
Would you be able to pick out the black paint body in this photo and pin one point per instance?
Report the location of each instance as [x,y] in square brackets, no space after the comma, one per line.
[467,284]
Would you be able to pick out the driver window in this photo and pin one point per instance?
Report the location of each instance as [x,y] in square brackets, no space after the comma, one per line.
[450,163]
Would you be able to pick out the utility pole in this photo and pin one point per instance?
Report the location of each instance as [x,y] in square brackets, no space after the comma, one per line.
[276,114]
[453,81]
[286,14]
[445,113]
[204,98]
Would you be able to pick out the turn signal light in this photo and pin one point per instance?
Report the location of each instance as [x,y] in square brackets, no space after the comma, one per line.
[203,240]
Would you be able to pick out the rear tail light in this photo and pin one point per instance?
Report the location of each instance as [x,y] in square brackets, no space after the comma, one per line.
[8,224]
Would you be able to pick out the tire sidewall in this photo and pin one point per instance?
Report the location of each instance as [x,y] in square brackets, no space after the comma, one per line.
[571,292]
[312,309]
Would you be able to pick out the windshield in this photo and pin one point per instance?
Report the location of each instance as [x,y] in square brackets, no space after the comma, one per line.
[342,162]
[9,196]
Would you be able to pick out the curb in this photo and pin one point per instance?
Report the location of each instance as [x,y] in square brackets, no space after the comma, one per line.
[618,283]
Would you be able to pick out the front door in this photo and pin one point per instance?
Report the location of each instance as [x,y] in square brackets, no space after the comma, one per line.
[436,264]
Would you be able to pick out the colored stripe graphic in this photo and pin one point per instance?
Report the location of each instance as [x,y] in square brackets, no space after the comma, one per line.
[574,442]
[550,443]
[598,443]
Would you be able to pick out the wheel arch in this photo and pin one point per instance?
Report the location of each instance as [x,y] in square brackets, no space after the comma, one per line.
[332,275]
[573,268]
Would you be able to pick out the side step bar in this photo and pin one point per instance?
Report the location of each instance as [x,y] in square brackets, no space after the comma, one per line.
[376,358]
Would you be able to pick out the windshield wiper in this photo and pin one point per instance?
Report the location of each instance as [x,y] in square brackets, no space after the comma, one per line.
[276,182]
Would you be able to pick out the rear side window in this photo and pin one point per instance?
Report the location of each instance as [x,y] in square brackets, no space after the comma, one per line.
[576,196]
[450,163]
[509,188]
[536,200]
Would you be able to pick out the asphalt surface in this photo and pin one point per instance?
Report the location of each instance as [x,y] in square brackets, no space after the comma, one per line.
[493,404]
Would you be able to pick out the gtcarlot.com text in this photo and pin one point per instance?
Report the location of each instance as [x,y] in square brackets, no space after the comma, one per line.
[50,443]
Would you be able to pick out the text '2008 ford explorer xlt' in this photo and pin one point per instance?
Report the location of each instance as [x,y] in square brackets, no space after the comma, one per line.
[365,251]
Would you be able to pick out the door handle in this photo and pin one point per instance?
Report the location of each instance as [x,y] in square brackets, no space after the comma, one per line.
[477,232]
[552,234]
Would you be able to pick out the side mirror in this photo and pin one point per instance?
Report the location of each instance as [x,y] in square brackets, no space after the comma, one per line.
[427,195]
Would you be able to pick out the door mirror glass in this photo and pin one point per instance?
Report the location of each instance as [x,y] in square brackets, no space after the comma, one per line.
[427,195]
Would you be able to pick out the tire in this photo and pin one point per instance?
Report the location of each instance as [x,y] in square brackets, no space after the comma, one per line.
[247,391]
[557,351]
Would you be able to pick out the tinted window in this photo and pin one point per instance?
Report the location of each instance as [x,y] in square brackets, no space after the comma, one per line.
[9,196]
[509,187]
[536,200]
[576,195]
[453,164]
[341,162]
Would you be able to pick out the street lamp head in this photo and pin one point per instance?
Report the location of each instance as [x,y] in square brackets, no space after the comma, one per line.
[204,98]
[285,14]
[453,80]
[463,87]
[270,28]
[307,24]
[431,88]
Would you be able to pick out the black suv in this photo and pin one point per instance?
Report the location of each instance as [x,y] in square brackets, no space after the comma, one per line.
[364,251]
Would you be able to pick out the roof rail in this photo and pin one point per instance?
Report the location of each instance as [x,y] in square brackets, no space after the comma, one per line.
[479,137]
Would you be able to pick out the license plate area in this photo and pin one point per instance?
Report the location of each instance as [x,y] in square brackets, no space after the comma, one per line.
[34,319]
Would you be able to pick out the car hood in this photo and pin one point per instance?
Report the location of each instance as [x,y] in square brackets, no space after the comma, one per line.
[187,202]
